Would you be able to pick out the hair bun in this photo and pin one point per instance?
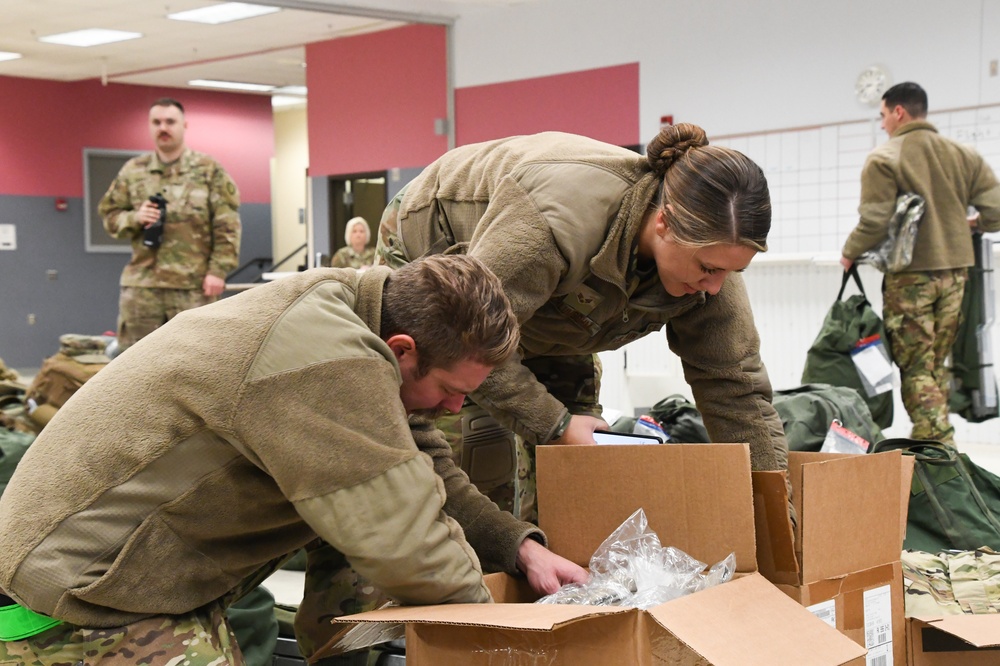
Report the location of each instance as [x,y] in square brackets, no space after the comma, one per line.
[672,142]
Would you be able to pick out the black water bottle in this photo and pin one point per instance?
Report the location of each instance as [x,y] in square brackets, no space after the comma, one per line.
[153,235]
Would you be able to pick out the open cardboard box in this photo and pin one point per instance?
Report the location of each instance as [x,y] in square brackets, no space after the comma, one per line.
[697,498]
[969,640]
[843,560]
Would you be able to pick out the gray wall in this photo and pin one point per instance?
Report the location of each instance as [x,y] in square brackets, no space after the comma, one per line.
[83,298]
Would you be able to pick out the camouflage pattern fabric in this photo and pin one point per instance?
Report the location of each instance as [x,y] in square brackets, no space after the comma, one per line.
[576,382]
[922,312]
[85,348]
[6,374]
[951,583]
[451,426]
[200,638]
[332,589]
[202,231]
[346,257]
[141,311]
[388,250]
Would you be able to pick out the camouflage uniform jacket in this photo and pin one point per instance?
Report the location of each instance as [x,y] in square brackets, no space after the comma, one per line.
[252,440]
[202,231]
[556,217]
[346,257]
[949,176]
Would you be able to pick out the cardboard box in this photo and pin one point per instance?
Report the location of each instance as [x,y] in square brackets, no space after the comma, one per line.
[843,561]
[697,498]
[969,640]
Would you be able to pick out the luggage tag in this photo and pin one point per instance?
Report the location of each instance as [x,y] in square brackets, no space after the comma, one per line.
[841,440]
[873,365]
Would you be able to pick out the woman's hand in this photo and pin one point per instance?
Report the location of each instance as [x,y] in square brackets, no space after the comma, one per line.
[581,430]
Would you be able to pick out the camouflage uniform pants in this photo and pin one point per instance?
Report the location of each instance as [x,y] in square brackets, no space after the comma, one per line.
[142,310]
[332,588]
[922,312]
[200,638]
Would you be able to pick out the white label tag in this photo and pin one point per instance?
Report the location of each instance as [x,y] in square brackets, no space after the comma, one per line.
[8,237]
[826,611]
[878,626]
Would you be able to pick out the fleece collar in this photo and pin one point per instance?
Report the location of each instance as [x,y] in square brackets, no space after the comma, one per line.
[371,283]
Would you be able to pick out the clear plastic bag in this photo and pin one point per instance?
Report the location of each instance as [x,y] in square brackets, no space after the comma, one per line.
[632,569]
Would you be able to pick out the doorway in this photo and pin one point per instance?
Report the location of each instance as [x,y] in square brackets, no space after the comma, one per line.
[358,195]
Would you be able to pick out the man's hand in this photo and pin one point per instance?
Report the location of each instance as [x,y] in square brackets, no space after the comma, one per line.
[546,571]
[581,430]
[148,213]
[213,286]
[846,263]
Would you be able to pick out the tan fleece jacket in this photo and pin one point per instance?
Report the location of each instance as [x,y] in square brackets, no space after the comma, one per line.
[949,176]
[234,434]
[556,217]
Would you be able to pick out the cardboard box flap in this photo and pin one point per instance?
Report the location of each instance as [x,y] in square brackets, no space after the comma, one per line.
[775,537]
[846,500]
[532,617]
[979,630]
[759,623]
[686,490]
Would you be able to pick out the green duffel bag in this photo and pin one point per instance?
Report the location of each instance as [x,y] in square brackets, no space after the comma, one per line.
[954,503]
[829,361]
[13,444]
[807,411]
[680,419]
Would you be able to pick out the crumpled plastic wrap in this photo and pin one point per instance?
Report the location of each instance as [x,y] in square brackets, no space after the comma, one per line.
[632,569]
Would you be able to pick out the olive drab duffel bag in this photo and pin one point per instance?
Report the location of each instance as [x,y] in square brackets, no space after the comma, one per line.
[829,359]
[954,503]
[808,411]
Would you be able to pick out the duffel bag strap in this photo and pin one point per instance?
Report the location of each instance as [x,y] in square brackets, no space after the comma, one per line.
[924,450]
[852,272]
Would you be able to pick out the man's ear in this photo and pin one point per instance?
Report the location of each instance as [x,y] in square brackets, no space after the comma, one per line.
[404,348]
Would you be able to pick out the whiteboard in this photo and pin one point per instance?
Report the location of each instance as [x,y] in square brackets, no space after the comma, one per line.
[814,173]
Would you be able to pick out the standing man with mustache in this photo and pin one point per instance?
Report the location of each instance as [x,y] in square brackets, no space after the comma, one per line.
[186,265]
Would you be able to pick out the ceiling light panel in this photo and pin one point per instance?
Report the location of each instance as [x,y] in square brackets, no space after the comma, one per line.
[224,13]
[90,37]
[231,85]
[9,55]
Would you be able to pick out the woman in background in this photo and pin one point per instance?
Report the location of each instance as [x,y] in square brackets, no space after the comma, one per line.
[356,254]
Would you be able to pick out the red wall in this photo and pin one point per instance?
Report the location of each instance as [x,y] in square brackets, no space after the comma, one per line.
[45,125]
[599,103]
[373,100]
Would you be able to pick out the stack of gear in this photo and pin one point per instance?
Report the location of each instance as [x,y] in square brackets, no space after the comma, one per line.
[79,358]
[632,569]
[951,583]
[16,431]
[806,413]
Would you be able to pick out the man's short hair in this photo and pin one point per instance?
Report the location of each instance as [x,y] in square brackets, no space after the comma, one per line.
[908,95]
[455,310]
[168,101]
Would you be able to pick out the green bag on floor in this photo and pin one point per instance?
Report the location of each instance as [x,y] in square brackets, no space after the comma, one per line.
[954,503]
[807,411]
[829,361]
